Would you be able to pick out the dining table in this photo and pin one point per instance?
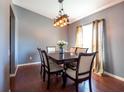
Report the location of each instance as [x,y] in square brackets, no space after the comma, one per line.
[63,58]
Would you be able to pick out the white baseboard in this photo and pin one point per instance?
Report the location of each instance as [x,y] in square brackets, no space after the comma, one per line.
[26,64]
[114,76]
[20,65]
[13,75]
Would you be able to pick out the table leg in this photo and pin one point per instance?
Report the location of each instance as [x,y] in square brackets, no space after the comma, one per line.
[64,76]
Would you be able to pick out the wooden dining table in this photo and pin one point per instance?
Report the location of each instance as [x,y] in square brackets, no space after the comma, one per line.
[63,58]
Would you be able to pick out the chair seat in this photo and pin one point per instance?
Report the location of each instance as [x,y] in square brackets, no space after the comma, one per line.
[72,74]
[72,65]
[54,67]
[50,61]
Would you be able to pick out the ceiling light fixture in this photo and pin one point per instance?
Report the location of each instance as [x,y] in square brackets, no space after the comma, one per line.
[62,19]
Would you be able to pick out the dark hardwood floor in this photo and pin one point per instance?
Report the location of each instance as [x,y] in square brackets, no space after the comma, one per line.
[28,79]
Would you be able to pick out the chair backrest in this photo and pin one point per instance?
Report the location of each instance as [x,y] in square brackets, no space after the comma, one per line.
[81,50]
[72,49]
[51,49]
[39,51]
[44,59]
[85,62]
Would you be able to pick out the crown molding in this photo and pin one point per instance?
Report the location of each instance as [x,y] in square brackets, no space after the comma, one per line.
[80,17]
[98,10]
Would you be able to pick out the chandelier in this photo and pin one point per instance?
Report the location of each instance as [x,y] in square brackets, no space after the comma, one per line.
[62,19]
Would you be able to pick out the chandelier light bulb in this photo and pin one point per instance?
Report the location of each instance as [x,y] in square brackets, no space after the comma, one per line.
[65,24]
[57,23]
[61,25]
[60,21]
[54,24]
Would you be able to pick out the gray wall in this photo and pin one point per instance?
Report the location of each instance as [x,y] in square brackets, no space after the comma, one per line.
[4,44]
[34,30]
[114,34]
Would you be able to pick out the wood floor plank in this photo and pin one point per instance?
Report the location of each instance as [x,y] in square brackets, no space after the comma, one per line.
[28,79]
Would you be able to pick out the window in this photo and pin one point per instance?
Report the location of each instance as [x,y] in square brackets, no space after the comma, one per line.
[84,37]
[87,37]
[79,37]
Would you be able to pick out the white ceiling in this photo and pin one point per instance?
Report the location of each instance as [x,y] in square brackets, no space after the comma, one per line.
[76,9]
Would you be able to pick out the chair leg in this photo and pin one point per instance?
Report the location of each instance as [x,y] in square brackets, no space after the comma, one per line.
[41,70]
[76,85]
[48,82]
[44,74]
[90,85]
[57,74]
[64,79]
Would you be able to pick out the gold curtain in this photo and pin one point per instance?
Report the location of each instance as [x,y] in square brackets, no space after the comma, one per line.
[98,45]
[79,37]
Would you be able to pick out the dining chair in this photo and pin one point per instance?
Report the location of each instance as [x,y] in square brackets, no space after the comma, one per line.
[72,49]
[81,50]
[41,59]
[83,70]
[49,68]
[51,49]
[78,50]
